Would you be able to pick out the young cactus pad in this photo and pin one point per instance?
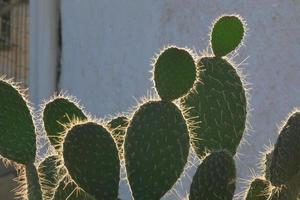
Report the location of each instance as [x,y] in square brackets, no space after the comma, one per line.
[58,112]
[286,154]
[259,190]
[227,33]
[219,104]
[215,178]
[156,149]
[174,73]
[91,158]
[17,131]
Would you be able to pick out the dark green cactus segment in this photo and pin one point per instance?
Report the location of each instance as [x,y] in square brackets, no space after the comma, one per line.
[34,191]
[50,172]
[91,157]
[58,112]
[215,178]
[174,73]
[286,158]
[156,149]
[68,191]
[219,104]
[117,127]
[17,131]
[227,34]
[259,190]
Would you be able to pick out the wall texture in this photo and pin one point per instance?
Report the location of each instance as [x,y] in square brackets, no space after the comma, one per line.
[107,46]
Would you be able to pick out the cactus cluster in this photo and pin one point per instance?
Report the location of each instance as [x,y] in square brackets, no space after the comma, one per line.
[201,107]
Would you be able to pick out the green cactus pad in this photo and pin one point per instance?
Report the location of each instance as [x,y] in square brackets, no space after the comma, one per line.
[215,178]
[50,172]
[91,157]
[34,191]
[219,105]
[227,33]
[56,113]
[259,190]
[17,131]
[117,127]
[286,154]
[174,73]
[156,149]
[69,192]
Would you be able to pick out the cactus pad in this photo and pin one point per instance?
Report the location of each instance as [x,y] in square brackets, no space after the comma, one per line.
[91,157]
[215,178]
[17,131]
[156,149]
[227,33]
[56,113]
[259,190]
[50,171]
[286,158]
[174,73]
[219,104]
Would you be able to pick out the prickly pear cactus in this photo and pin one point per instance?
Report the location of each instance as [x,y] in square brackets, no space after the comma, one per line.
[218,100]
[174,73]
[259,190]
[91,158]
[215,178]
[156,149]
[286,158]
[58,112]
[17,131]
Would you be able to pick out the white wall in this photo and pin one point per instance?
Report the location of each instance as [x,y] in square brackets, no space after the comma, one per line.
[107,46]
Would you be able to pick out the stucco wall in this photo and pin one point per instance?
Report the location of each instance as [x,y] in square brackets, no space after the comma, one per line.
[107,46]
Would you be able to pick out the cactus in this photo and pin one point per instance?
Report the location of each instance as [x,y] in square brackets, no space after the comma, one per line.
[174,73]
[218,101]
[156,149]
[155,142]
[91,158]
[17,136]
[215,178]
[259,190]
[58,112]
